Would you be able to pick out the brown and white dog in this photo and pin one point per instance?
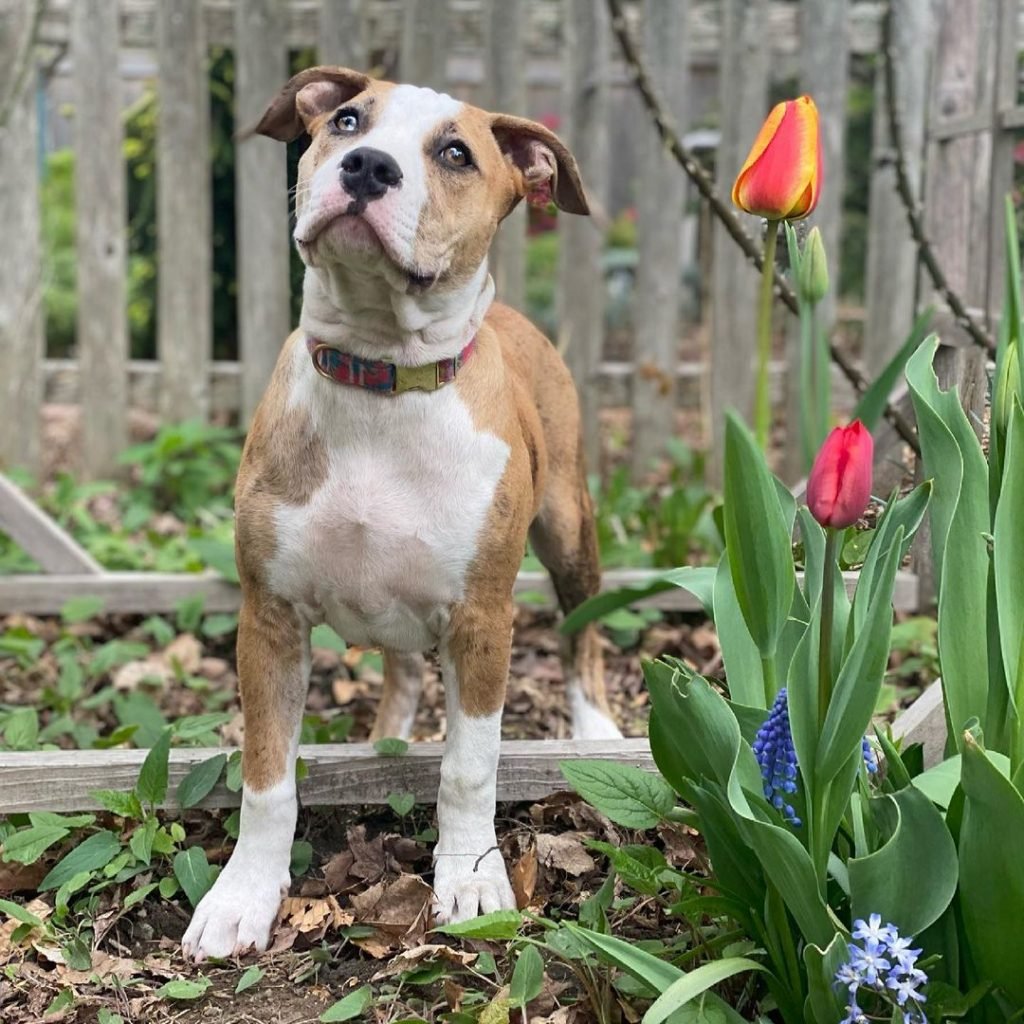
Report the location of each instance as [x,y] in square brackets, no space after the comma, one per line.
[400,517]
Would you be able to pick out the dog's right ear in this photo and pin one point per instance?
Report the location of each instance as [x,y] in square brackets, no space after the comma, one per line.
[306,96]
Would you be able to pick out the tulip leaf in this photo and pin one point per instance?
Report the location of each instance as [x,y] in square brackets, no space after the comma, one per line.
[823,998]
[757,538]
[960,519]
[1008,559]
[695,983]
[918,845]
[991,881]
[740,656]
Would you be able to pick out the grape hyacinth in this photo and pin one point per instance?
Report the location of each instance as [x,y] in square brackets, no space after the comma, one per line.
[881,973]
[773,747]
[870,756]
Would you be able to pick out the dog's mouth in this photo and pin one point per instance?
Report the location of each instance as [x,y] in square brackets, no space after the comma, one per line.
[357,229]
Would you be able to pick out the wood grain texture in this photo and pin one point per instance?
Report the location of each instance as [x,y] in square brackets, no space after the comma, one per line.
[424,45]
[101,218]
[341,34]
[149,592]
[183,187]
[505,91]
[661,199]
[263,236]
[742,99]
[21,281]
[39,536]
[345,773]
[586,55]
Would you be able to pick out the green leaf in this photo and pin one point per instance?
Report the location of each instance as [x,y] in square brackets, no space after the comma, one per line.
[249,978]
[138,895]
[991,881]
[29,844]
[401,803]
[125,805]
[182,989]
[218,554]
[168,887]
[391,746]
[939,782]
[233,776]
[498,925]
[824,1001]
[91,854]
[697,580]
[325,637]
[78,609]
[19,913]
[694,983]
[871,405]
[351,1006]
[960,519]
[639,867]
[743,671]
[757,538]
[301,857]
[917,845]
[200,780]
[1008,560]
[193,872]
[628,795]
[141,843]
[527,977]
[151,787]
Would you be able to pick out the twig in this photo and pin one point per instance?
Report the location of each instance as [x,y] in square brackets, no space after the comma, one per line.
[977,333]
[699,175]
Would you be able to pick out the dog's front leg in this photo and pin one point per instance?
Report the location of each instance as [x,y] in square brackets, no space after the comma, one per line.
[469,872]
[273,672]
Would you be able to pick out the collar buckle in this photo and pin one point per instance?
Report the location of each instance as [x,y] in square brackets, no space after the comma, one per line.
[416,378]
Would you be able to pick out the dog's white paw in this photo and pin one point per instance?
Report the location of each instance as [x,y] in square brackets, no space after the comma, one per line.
[467,885]
[235,915]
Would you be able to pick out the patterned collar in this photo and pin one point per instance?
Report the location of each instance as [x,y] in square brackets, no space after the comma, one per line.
[380,376]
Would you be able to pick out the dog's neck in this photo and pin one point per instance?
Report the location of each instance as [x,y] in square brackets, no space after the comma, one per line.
[364,313]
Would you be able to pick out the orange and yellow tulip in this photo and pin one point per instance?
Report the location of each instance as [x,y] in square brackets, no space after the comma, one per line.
[781,178]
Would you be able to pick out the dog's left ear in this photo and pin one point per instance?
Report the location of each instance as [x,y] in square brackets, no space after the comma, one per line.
[548,169]
[306,96]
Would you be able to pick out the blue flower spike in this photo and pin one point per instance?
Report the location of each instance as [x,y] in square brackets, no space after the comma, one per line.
[870,756]
[776,755]
[882,974]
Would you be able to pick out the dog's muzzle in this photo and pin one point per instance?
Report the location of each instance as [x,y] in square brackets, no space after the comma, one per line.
[367,174]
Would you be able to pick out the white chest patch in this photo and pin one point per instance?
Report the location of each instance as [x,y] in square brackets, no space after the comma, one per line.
[382,549]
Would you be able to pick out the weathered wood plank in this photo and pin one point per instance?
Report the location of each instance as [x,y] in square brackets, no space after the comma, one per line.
[144,593]
[183,192]
[586,55]
[742,95]
[264,315]
[101,215]
[661,199]
[423,53]
[342,773]
[507,93]
[39,536]
[341,34]
[891,267]
[21,280]
[924,722]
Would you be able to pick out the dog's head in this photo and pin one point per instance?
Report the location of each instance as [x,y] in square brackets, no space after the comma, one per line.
[407,180]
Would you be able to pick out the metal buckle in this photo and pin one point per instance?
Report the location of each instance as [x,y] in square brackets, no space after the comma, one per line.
[416,378]
[314,352]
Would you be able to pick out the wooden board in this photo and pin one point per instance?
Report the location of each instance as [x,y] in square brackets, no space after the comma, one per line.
[339,773]
[145,593]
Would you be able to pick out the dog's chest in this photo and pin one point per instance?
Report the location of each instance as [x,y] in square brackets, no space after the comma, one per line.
[382,548]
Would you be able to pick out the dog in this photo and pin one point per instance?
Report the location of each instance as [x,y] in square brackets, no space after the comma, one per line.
[413,434]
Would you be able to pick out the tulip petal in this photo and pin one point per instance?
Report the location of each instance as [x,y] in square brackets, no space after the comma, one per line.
[781,176]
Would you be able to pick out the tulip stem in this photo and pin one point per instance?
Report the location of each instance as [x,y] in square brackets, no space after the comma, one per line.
[828,595]
[762,396]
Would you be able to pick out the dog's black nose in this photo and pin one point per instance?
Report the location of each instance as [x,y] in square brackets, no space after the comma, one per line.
[368,173]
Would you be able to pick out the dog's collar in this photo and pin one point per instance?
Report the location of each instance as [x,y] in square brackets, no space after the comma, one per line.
[378,375]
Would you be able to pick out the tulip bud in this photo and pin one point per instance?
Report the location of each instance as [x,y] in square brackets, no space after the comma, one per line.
[781,178]
[813,280]
[839,487]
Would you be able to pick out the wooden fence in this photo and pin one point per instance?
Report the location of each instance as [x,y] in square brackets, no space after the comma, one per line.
[502,53]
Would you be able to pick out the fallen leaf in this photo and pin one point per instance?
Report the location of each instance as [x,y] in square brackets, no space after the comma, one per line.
[132,673]
[183,654]
[368,855]
[16,877]
[313,916]
[418,954]
[565,853]
[337,871]
[453,993]
[523,877]
[398,911]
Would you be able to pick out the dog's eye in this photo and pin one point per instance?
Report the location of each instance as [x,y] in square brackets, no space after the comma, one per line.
[455,154]
[346,121]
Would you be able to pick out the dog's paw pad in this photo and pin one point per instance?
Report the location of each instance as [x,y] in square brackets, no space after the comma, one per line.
[231,919]
[466,886]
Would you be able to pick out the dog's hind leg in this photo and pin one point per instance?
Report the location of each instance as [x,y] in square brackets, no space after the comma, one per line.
[564,538]
[403,682]
[273,671]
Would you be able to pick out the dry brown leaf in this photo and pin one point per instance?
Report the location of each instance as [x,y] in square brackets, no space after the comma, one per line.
[213,668]
[368,855]
[345,691]
[564,852]
[453,993]
[183,653]
[337,872]
[104,966]
[132,673]
[418,954]
[16,877]
[398,911]
[523,877]
[313,915]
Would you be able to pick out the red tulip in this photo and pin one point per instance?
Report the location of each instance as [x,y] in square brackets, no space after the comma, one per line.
[839,487]
[781,179]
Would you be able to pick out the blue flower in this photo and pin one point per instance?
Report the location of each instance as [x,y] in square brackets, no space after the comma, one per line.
[905,988]
[881,972]
[869,755]
[854,1014]
[873,933]
[849,977]
[776,755]
[871,964]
